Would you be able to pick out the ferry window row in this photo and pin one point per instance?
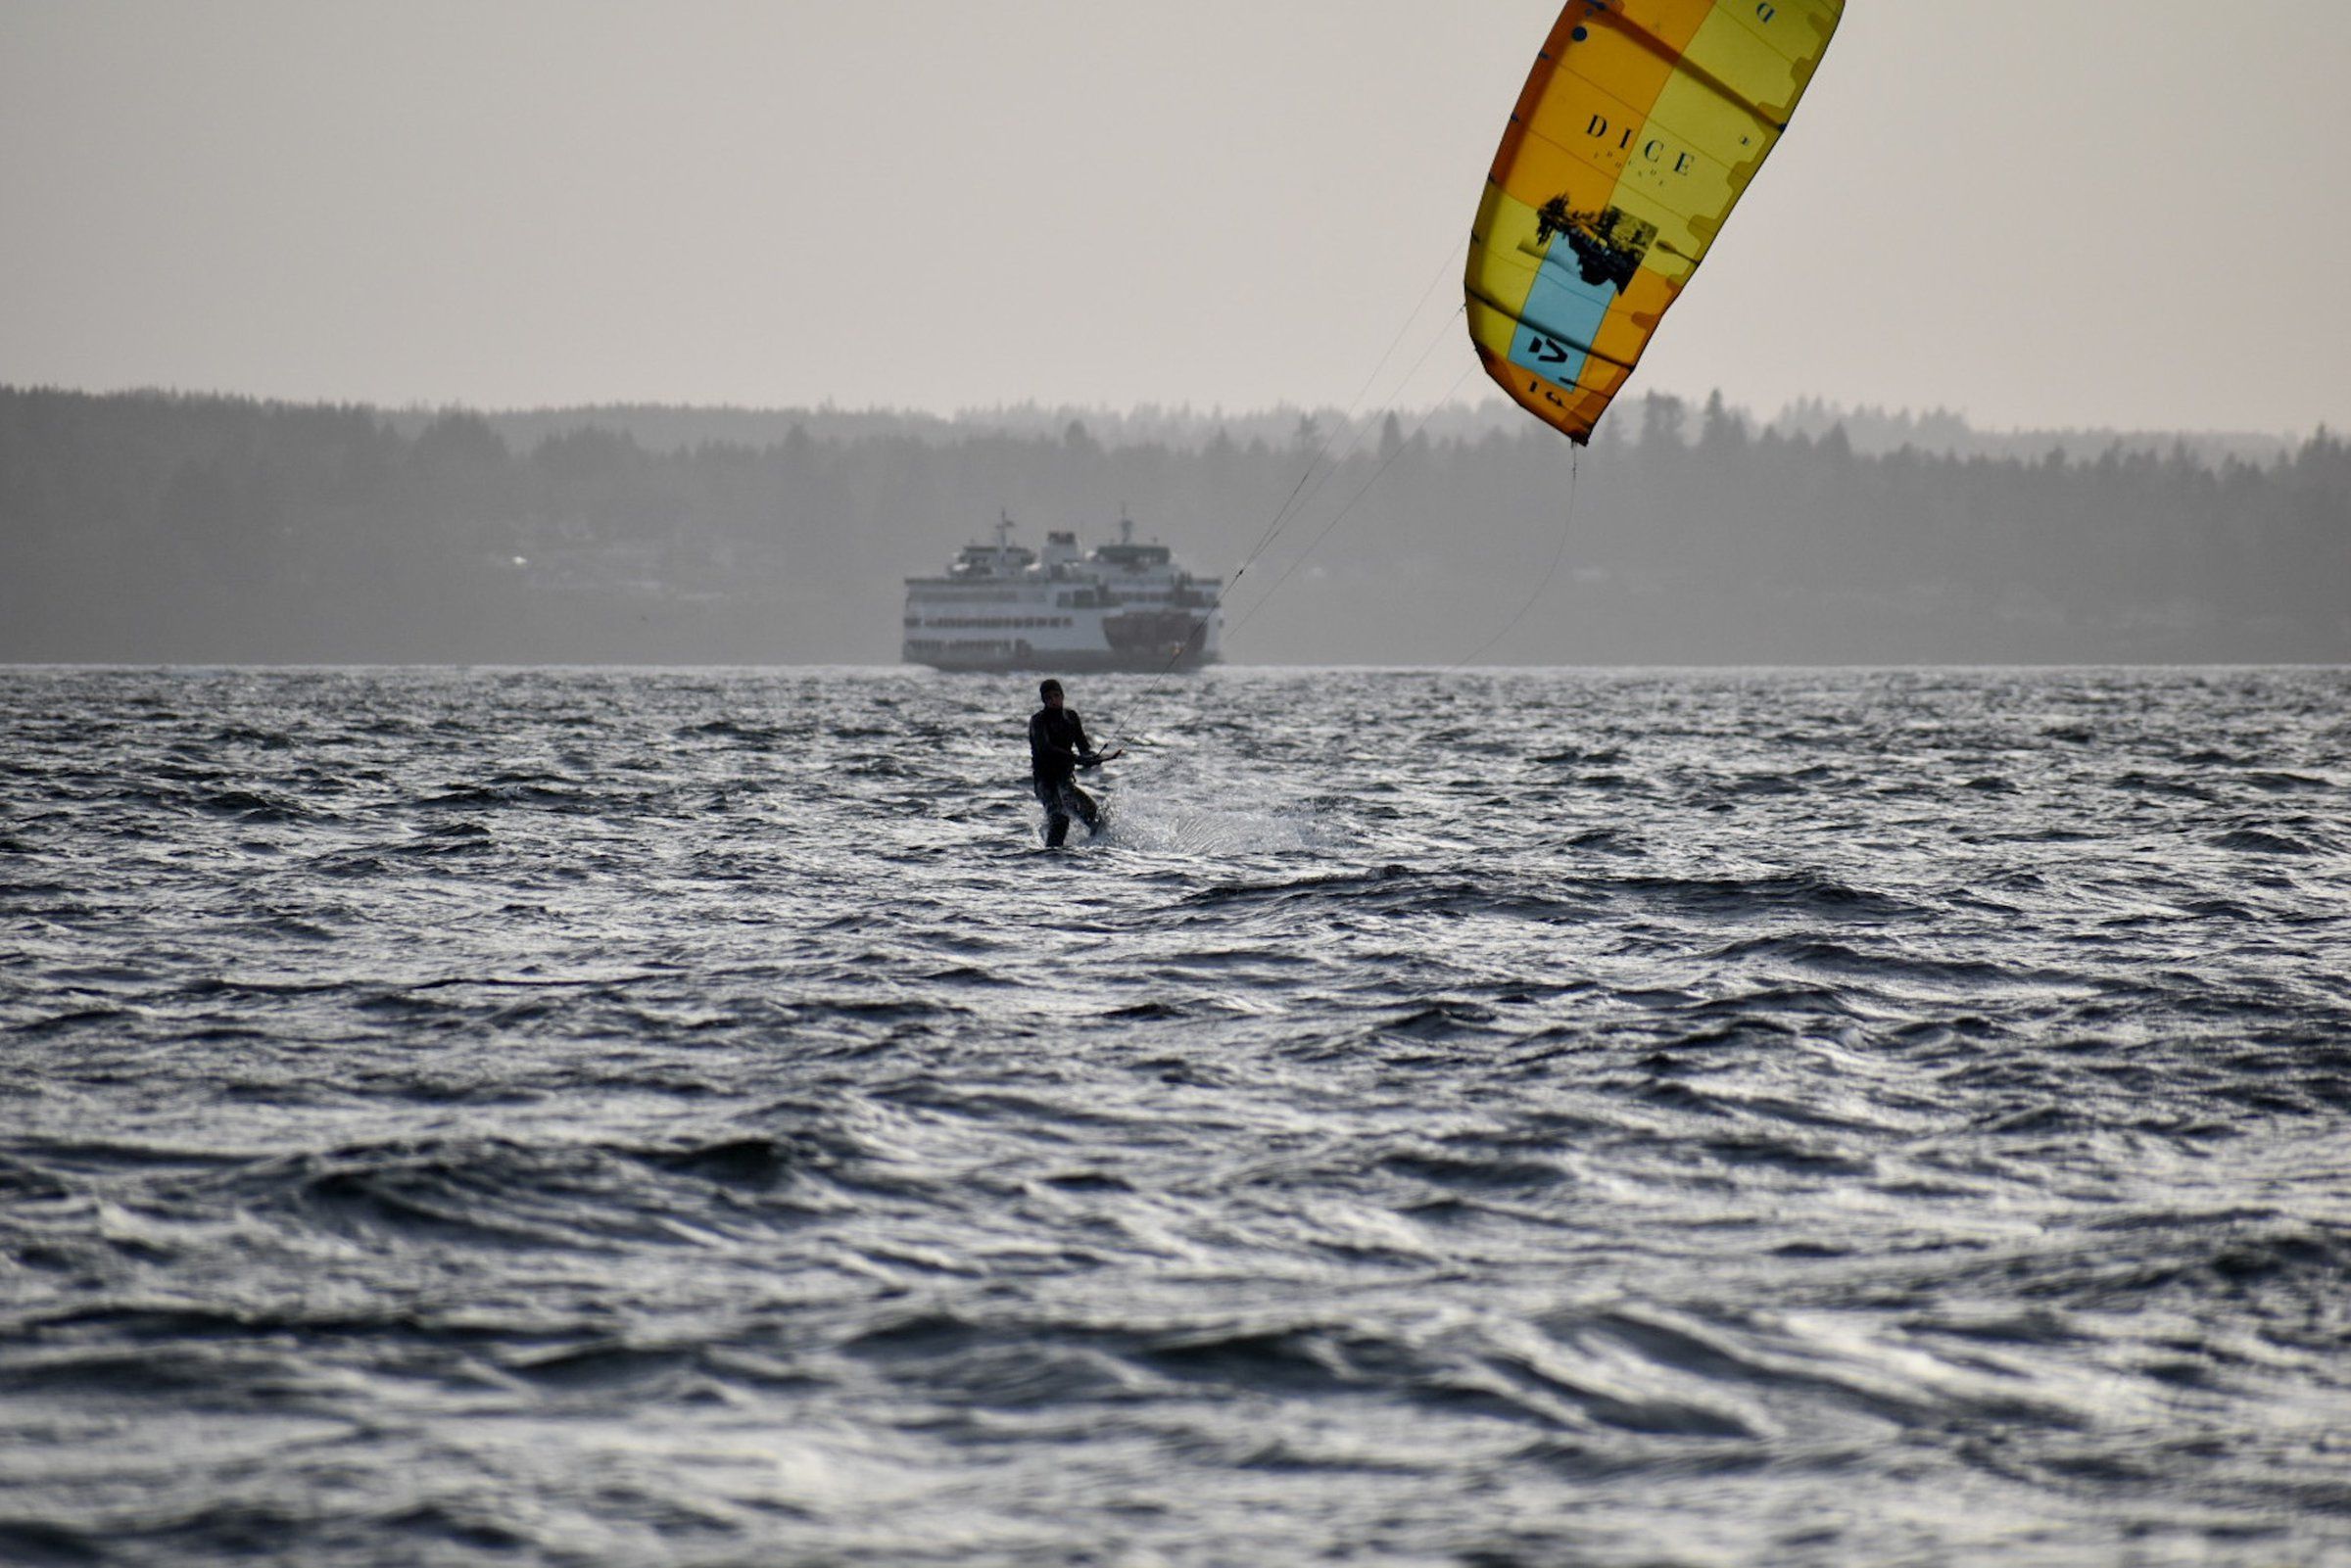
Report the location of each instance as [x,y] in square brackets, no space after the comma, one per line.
[964,621]
[1085,599]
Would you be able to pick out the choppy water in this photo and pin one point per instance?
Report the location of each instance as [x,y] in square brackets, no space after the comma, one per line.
[1510,1119]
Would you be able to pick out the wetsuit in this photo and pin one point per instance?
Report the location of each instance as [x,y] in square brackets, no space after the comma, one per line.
[1057,749]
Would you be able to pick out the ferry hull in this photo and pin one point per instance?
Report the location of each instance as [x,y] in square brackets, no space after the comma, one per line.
[1047,661]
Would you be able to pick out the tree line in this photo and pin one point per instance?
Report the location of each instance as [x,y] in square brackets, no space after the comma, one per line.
[157,527]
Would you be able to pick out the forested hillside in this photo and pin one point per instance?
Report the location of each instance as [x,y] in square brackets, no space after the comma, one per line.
[151,527]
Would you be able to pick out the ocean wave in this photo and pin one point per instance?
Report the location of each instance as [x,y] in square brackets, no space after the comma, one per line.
[590,1115]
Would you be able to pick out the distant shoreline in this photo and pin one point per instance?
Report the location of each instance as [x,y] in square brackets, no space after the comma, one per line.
[170,528]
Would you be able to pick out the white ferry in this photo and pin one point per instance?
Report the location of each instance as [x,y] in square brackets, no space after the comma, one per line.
[1123,607]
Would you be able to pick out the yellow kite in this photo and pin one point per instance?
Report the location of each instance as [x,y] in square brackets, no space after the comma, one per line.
[1638,127]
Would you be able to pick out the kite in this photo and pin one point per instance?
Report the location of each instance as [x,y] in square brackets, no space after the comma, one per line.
[1639,128]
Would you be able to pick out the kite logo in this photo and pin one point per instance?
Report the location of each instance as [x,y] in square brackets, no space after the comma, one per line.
[1608,245]
[1653,151]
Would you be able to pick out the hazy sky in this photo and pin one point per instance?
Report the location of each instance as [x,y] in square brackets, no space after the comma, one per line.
[2037,211]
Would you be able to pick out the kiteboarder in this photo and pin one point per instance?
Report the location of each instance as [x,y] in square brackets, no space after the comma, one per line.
[1057,749]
